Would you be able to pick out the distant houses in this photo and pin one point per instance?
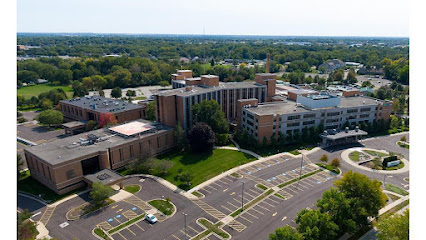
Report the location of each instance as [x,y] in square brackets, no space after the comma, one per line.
[331,66]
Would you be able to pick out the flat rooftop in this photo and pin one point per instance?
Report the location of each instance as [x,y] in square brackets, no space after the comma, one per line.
[302,91]
[69,148]
[290,106]
[102,104]
[131,128]
[105,176]
[197,89]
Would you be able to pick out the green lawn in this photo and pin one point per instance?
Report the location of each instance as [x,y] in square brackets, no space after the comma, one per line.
[202,165]
[35,90]
[30,185]
[329,167]
[132,188]
[163,206]
[354,156]
[374,153]
[403,145]
[101,233]
[396,189]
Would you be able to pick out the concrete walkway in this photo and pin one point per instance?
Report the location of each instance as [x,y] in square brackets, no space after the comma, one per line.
[43,233]
[122,194]
[345,157]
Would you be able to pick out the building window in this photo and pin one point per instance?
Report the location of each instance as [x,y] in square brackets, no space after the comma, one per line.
[364,115]
[308,122]
[311,115]
[121,154]
[352,111]
[158,142]
[365,109]
[293,117]
[293,124]
[131,152]
[333,114]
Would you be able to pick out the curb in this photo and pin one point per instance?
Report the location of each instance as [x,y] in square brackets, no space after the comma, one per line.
[167,216]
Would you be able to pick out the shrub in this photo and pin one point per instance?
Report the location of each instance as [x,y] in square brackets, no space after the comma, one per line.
[222,139]
[403,139]
[201,137]
[324,158]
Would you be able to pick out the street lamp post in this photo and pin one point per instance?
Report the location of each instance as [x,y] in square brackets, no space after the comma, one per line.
[242,197]
[186,231]
[300,172]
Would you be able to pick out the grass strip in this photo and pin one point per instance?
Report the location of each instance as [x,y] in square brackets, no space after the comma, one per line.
[329,167]
[101,234]
[396,189]
[252,202]
[132,188]
[197,194]
[375,153]
[294,180]
[92,207]
[163,206]
[261,186]
[403,145]
[235,175]
[394,209]
[354,156]
[125,224]
[211,228]
[279,195]
[393,197]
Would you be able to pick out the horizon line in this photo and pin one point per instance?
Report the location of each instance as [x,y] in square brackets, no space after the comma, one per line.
[237,35]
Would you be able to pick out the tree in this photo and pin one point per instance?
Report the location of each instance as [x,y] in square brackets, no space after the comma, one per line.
[88,83]
[26,228]
[315,225]
[286,233]
[180,139]
[150,111]
[50,117]
[212,62]
[394,227]
[80,91]
[101,93]
[27,76]
[186,178]
[340,209]
[163,165]
[107,119]
[131,93]
[91,125]
[403,139]
[100,193]
[164,83]
[335,163]
[210,112]
[116,92]
[351,78]
[46,104]
[64,76]
[324,158]
[99,82]
[20,163]
[366,194]
[201,137]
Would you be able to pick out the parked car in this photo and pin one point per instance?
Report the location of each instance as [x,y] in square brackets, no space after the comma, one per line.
[151,218]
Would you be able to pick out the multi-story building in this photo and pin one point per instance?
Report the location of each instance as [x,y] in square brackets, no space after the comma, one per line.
[70,163]
[175,105]
[267,120]
[91,108]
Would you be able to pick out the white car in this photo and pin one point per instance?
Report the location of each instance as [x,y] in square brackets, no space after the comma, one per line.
[151,218]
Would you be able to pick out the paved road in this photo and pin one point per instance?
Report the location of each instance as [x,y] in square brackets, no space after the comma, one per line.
[224,196]
[387,143]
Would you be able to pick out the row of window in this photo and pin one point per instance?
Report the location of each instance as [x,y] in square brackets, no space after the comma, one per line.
[131,150]
[37,165]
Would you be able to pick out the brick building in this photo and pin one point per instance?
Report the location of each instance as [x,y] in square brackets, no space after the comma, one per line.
[62,164]
[290,117]
[91,107]
[175,105]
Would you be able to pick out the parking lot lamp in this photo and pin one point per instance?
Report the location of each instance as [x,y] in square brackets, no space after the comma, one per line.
[186,231]
[242,198]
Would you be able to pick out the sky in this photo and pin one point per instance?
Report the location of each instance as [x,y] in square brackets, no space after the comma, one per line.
[379,18]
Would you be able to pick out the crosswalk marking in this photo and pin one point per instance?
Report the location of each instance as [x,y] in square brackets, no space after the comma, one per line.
[47,214]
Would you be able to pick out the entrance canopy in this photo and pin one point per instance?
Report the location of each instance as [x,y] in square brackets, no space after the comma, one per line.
[105,176]
[330,138]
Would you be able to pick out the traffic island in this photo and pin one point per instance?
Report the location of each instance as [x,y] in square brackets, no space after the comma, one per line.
[165,208]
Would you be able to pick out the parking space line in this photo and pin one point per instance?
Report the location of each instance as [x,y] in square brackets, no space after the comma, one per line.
[288,189]
[254,192]
[194,229]
[251,215]
[226,208]
[216,184]
[257,210]
[131,231]
[205,190]
[226,179]
[211,187]
[117,220]
[176,237]
[258,205]
[246,219]
[136,224]
[310,180]
[121,235]
[232,205]
[305,182]
[246,193]
[302,184]
[223,182]
[273,200]
[268,203]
